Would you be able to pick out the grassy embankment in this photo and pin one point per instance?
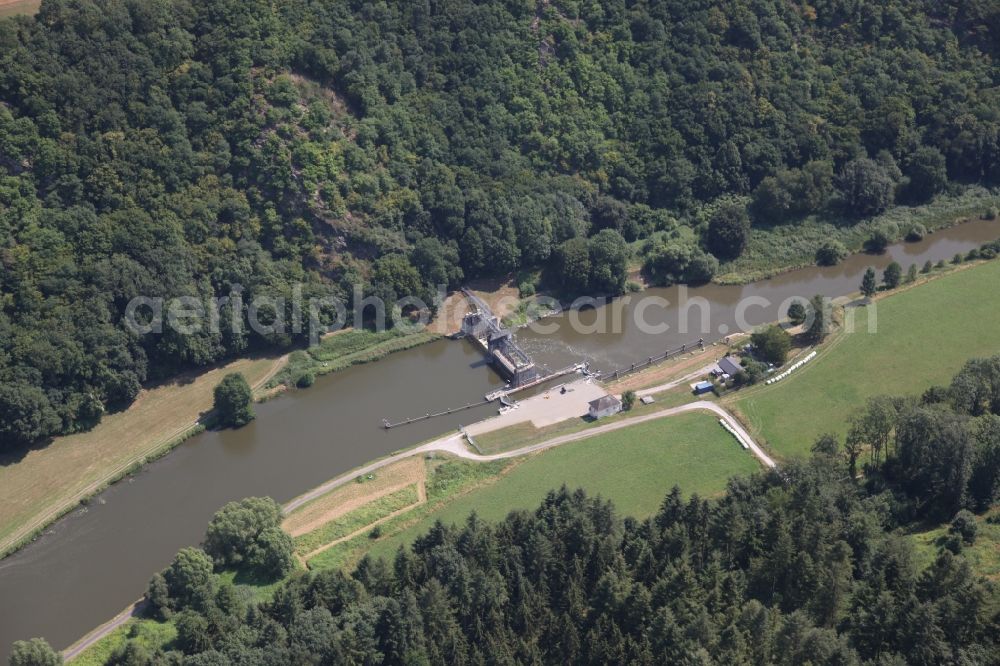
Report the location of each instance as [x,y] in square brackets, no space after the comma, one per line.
[344,349]
[784,247]
[924,336]
[40,485]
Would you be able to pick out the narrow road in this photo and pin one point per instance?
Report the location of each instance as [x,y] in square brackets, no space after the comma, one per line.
[455,445]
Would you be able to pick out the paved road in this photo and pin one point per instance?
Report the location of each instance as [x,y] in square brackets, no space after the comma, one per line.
[455,445]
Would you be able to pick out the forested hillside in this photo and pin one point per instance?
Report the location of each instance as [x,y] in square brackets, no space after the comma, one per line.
[173,147]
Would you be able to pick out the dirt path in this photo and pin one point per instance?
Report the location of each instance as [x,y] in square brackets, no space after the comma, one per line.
[74,650]
[421,499]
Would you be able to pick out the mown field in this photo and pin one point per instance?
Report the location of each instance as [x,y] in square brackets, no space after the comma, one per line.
[923,337]
[15,7]
[634,467]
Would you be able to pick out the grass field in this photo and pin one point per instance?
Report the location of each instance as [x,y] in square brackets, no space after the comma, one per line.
[15,7]
[41,484]
[983,555]
[357,519]
[924,336]
[634,467]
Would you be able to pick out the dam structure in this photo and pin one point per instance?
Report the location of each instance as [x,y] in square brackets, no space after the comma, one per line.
[497,343]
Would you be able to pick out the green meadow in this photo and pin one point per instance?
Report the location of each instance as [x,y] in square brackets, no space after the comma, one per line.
[922,337]
[634,467]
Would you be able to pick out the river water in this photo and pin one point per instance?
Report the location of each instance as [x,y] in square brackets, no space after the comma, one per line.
[97,560]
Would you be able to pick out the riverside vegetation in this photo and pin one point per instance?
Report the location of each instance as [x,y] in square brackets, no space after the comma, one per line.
[805,564]
[176,148]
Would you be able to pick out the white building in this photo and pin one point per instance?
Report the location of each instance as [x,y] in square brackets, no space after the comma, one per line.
[606,405]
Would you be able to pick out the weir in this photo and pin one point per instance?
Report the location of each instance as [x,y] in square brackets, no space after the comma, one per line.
[497,343]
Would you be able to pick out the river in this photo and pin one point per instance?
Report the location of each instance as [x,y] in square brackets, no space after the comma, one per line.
[97,560]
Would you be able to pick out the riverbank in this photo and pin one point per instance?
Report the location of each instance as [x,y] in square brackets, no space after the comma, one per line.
[631,462]
[925,333]
[772,251]
[40,485]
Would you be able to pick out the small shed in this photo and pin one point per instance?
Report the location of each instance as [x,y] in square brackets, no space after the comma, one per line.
[702,387]
[606,405]
[730,366]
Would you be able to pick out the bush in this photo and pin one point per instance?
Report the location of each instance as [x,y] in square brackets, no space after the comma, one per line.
[916,233]
[957,259]
[991,213]
[797,312]
[831,253]
[526,288]
[305,380]
[972,255]
[234,401]
[36,652]
[633,287]
[877,242]
[628,400]
[964,525]
[911,275]
[928,267]
[375,532]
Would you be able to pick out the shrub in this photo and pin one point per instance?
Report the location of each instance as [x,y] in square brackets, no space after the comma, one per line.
[964,525]
[877,242]
[991,213]
[972,255]
[527,288]
[234,401]
[376,532]
[305,380]
[957,259]
[941,264]
[628,400]
[632,286]
[916,233]
[797,312]
[831,253]
[911,275]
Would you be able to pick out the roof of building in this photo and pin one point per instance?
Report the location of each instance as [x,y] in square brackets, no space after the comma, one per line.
[730,366]
[604,402]
[703,385]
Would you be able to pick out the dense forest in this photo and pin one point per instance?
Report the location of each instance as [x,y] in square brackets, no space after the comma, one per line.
[805,564]
[178,148]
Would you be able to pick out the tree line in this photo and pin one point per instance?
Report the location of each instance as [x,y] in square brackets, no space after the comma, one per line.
[803,564]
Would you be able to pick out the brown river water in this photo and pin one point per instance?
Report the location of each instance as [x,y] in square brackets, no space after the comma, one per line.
[91,564]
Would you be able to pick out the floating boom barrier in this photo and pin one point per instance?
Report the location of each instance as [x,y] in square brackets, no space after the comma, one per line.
[795,366]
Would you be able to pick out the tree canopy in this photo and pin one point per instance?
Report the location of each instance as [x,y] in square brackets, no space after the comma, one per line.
[178,149]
